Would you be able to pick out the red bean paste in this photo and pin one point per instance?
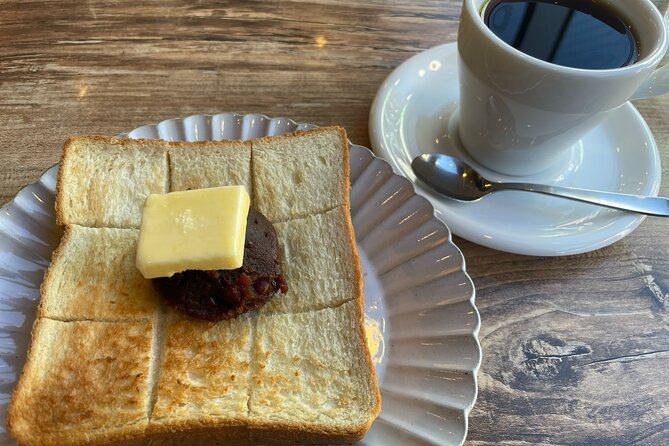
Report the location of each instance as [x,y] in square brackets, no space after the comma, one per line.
[222,294]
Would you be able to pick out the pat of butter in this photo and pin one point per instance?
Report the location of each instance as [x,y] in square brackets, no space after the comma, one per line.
[201,229]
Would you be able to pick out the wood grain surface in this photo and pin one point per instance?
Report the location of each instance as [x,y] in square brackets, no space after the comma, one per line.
[575,349]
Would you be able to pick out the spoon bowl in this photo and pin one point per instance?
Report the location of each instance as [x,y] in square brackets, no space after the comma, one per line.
[450,176]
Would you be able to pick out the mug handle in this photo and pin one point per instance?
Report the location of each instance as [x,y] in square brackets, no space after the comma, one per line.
[658,82]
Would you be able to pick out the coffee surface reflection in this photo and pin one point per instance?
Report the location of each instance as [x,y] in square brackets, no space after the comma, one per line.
[572,33]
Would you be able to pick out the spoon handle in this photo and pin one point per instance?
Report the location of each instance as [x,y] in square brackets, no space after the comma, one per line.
[657,206]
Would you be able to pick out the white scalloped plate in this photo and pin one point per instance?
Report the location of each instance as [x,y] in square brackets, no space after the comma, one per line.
[421,320]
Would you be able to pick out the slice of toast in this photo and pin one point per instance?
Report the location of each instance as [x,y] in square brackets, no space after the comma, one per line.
[84,383]
[317,381]
[93,277]
[320,262]
[199,384]
[103,182]
[300,174]
[297,371]
[210,164]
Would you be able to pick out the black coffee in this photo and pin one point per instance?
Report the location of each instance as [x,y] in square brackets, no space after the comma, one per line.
[573,33]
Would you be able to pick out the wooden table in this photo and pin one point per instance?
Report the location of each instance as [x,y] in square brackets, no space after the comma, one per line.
[575,349]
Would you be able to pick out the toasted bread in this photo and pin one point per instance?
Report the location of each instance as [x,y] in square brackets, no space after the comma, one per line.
[115,366]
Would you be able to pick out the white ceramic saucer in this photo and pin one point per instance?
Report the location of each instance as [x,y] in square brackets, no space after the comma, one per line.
[412,114]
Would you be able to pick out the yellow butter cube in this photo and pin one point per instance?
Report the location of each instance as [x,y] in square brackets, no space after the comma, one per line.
[201,229]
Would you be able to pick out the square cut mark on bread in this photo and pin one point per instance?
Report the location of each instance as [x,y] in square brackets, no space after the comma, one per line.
[104,181]
[300,174]
[313,375]
[320,263]
[210,164]
[83,383]
[93,277]
[205,374]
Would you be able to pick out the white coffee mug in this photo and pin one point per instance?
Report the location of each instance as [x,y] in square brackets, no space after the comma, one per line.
[519,115]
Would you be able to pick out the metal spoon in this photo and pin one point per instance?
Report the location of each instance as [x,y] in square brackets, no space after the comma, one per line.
[456,179]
